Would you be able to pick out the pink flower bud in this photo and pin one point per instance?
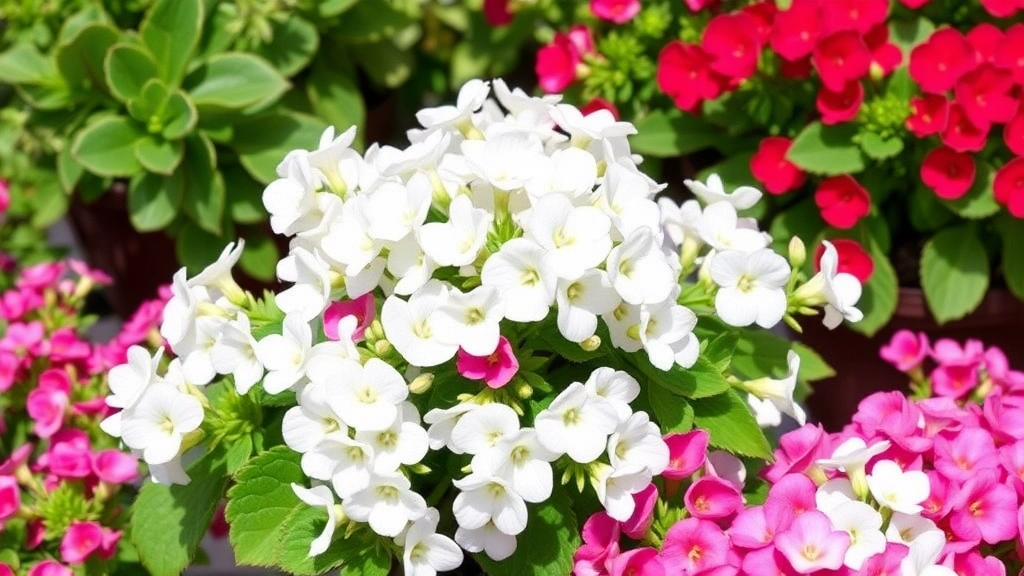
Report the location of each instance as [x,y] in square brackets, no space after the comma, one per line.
[363,308]
[10,497]
[115,467]
[50,568]
[5,196]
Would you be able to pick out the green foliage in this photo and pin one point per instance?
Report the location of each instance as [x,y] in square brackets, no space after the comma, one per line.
[664,134]
[954,273]
[980,201]
[881,292]
[826,150]
[551,537]
[1013,264]
[732,427]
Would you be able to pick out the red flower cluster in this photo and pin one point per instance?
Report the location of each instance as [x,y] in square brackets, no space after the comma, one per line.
[558,63]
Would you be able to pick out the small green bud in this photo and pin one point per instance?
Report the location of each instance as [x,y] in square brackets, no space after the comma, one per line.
[421,384]
[797,252]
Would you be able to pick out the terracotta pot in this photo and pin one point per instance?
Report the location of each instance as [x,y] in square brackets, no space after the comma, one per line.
[861,371]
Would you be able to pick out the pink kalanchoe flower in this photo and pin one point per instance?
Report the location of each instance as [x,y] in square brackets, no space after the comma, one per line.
[115,467]
[639,523]
[941,414]
[600,544]
[40,275]
[16,460]
[108,543]
[998,368]
[6,570]
[66,346]
[5,196]
[10,498]
[712,498]
[496,369]
[750,529]
[1004,421]
[70,454]
[694,545]
[947,351]
[790,497]
[85,271]
[967,454]
[47,404]
[80,541]
[812,544]
[954,380]
[887,563]
[617,11]
[23,337]
[798,451]
[9,364]
[984,509]
[975,564]
[599,104]
[686,453]
[35,534]
[638,562]
[906,350]
[734,50]
[363,308]
[50,568]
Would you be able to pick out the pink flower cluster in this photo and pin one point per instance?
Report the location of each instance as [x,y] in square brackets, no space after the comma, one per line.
[52,380]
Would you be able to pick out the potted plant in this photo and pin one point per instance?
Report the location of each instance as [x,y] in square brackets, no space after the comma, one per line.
[890,128]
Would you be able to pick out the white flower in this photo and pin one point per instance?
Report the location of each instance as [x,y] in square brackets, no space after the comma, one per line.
[291,198]
[481,429]
[337,163]
[506,161]
[403,442]
[319,497]
[425,551]
[834,493]
[457,241]
[442,421]
[751,287]
[217,275]
[666,333]
[864,525]
[410,265]
[598,125]
[348,241]
[905,528]
[367,397]
[198,361]
[471,320]
[780,392]
[488,498]
[412,326]
[842,290]
[487,539]
[714,192]
[471,97]
[127,382]
[568,171]
[346,463]
[624,327]
[902,491]
[399,209]
[637,443]
[766,414]
[159,420]
[924,552]
[521,459]
[577,423]
[170,472]
[311,292]
[615,386]
[639,271]
[235,353]
[575,237]
[178,325]
[852,457]
[523,272]
[626,200]
[681,221]
[284,355]
[305,425]
[720,227]
[581,301]
[387,504]
[615,488]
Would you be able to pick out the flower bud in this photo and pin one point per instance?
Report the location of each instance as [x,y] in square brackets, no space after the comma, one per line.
[382,348]
[591,344]
[797,252]
[421,384]
[523,389]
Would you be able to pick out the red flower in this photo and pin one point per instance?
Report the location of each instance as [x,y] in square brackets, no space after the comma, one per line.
[842,106]
[929,116]
[1009,186]
[796,30]
[985,95]
[985,39]
[684,74]
[840,58]
[556,66]
[961,134]
[764,14]
[496,12]
[938,63]
[698,5]
[580,38]
[1001,8]
[770,166]
[733,50]
[1010,54]
[858,15]
[948,172]
[618,11]
[1013,134]
[599,104]
[885,55]
[842,201]
[853,259]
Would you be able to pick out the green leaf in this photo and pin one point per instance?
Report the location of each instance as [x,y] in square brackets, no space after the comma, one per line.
[551,339]
[80,60]
[259,259]
[180,116]
[24,64]
[1013,264]
[68,171]
[238,453]
[127,68]
[803,220]
[152,202]
[701,380]
[386,64]
[106,147]
[927,211]
[880,148]
[168,522]
[909,33]
[263,142]
[826,150]
[901,85]
[367,22]
[160,156]
[329,8]
[760,353]
[203,193]
[150,101]
[244,196]
[672,413]
[336,97]
[664,134]
[293,44]
[546,546]
[980,201]
[196,249]
[358,554]
[812,366]
[732,427]
[171,31]
[234,81]
[49,202]
[881,292]
[954,273]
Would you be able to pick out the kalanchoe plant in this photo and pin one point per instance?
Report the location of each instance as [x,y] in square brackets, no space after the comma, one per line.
[485,336]
[894,126]
[65,487]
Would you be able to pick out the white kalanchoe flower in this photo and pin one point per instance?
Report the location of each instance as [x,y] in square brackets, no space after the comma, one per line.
[666,333]
[217,276]
[425,552]
[170,472]
[864,525]
[681,221]
[721,228]
[615,488]
[412,327]
[581,301]
[457,241]
[624,327]
[899,490]
[780,392]
[159,420]
[306,425]
[346,463]
[403,442]
[291,198]
[442,421]
[368,397]
[178,325]
[834,493]
[336,162]
[523,460]
[713,192]
[639,270]
[839,292]
[570,172]
[348,241]
[127,382]
[408,263]
[235,353]
[751,287]
[319,497]
[488,498]
[851,457]
[905,528]
[575,237]
[480,430]
[388,504]
[577,423]
[471,97]
[471,320]
[285,355]
[924,552]
[765,413]
[637,443]
[625,198]
[197,363]
[506,161]
[399,209]
[311,292]
[487,539]
[615,386]
[524,273]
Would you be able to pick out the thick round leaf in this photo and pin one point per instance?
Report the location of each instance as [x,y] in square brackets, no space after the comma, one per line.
[197,249]
[128,67]
[171,31]
[262,143]
[107,147]
[244,196]
[179,117]
[664,134]
[259,259]
[954,273]
[294,43]
[203,193]
[149,102]
[235,81]
[159,155]
[80,61]
[980,200]
[826,150]
[152,202]
[23,64]
[336,97]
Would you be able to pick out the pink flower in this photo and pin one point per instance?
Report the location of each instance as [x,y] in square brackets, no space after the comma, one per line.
[750,529]
[70,455]
[108,543]
[497,12]
[998,368]
[17,459]
[5,196]
[694,545]
[638,562]
[40,275]
[50,568]
[686,453]
[712,498]
[6,570]
[790,497]
[970,452]
[985,509]
[596,104]
[954,380]
[842,201]
[639,523]
[85,271]
[841,58]
[906,350]
[839,106]
[811,544]
[363,308]
[80,541]
[115,467]
[35,533]
[685,75]
[796,30]
[48,402]
[600,544]
[10,498]
[938,502]
[496,369]
[9,364]
[886,563]
[617,11]
[65,346]
[797,452]
[23,338]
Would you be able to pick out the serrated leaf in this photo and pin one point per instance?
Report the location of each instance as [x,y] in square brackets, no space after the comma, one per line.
[719,350]
[357,554]
[152,204]
[106,147]
[238,453]
[171,32]
[826,150]
[881,293]
[954,273]
[732,427]
[671,413]
[980,201]
[701,380]
[551,339]
[1013,263]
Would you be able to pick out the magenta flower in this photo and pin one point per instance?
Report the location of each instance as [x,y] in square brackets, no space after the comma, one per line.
[887,563]
[811,544]
[712,498]
[694,545]
[797,452]
[954,380]
[70,454]
[971,451]
[85,271]
[48,402]
[639,523]
[9,364]
[766,561]
[496,369]
[23,337]
[975,564]
[50,568]
[790,497]
[80,541]
[686,453]
[906,350]
[65,346]
[10,497]
[941,414]
[638,562]
[617,11]
[985,509]
[115,467]
[940,492]
[946,351]
[600,544]
[6,570]
[750,529]
[5,195]
[998,368]
[40,276]
[364,308]
[16,460]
